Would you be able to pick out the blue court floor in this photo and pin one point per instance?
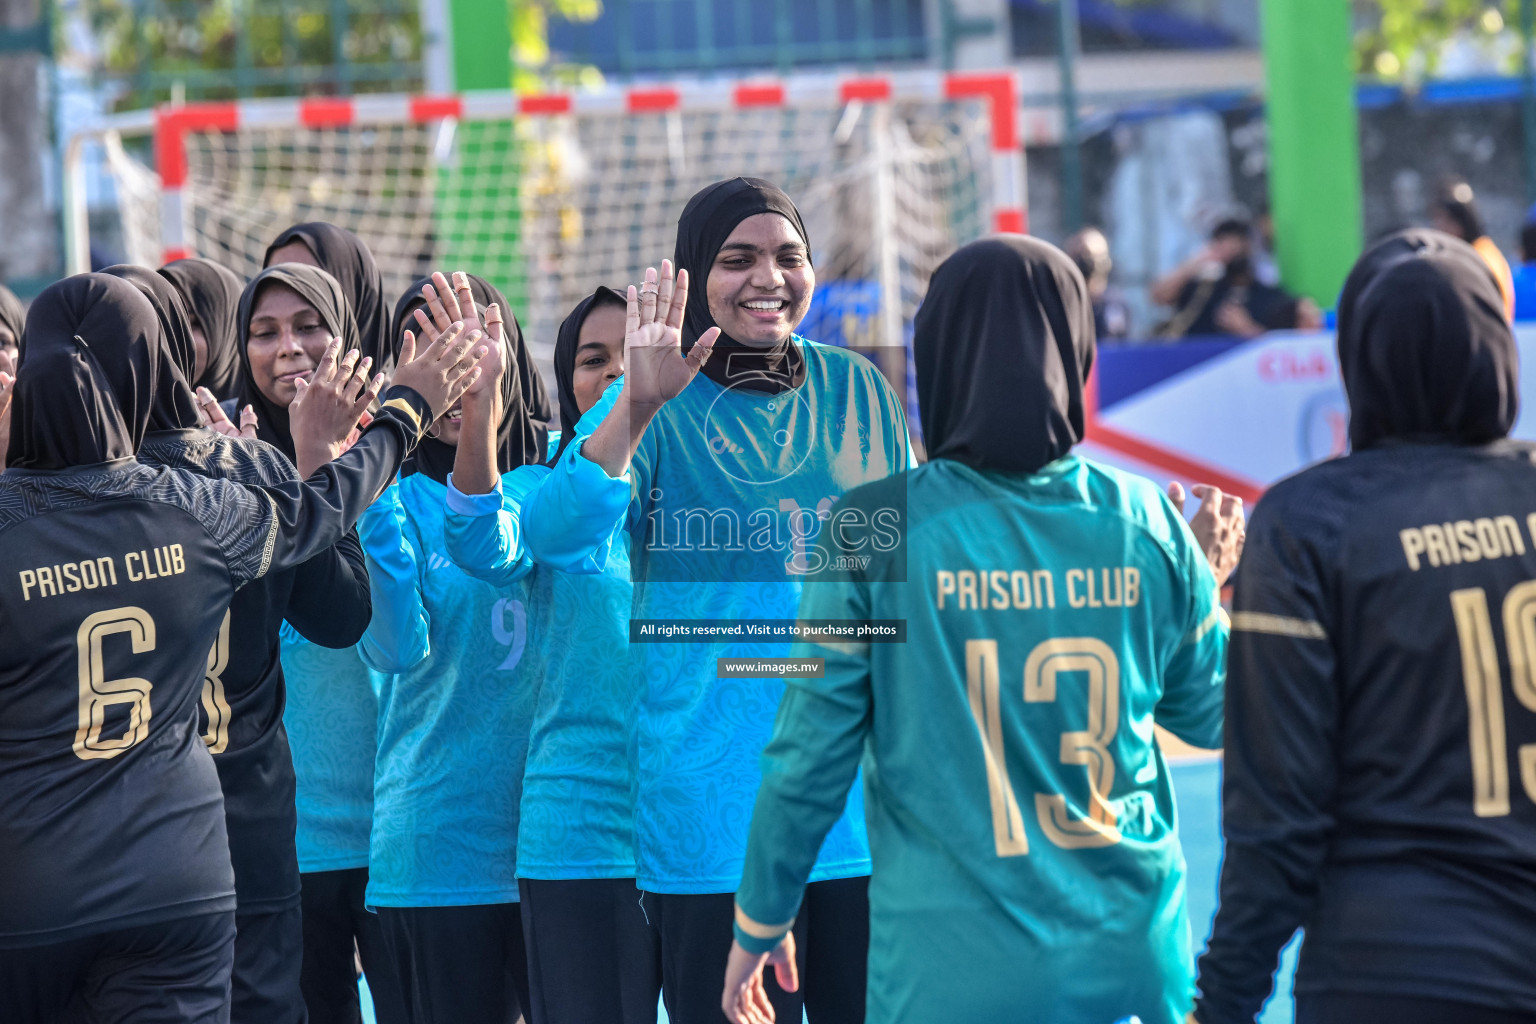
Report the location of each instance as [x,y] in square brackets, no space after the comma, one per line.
[1197,787]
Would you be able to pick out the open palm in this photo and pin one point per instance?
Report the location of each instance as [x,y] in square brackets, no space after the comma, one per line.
[655,368]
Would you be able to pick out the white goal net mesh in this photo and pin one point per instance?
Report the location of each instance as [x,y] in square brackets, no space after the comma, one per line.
[548,207]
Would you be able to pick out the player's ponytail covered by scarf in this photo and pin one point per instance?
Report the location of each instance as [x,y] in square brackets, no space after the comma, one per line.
[521,437]
[707,221]
[566,342]
[211,292]
[85,386]
[348,259]
[1424,349]
[175,406]
[13,315]
[1003,344]
[324,293]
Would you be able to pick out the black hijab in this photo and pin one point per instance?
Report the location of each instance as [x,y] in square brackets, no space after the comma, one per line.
[1003,344]
[348,259]
[566,343]
[211,291]
[707,221]
[519,440]
[175,407]
[321,291]
[85,386]
[12,314]
[1424,349]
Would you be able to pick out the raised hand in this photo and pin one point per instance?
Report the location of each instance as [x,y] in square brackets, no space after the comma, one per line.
[655,368]
[218,422]
[324,415]
[447,306]
[444,369]
[1219,526]
[494,363]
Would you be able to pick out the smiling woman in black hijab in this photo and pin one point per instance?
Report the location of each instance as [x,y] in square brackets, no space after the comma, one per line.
[1371,788]
[765,357]
[348,259]
[296,334]
[767,437]
[1004,342]
[211,293]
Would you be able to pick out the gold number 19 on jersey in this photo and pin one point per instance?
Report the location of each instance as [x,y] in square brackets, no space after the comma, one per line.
[1485,696]
[1089,747]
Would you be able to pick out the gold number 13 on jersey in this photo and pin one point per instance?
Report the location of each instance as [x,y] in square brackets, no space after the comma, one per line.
[1089,747]
[97,692]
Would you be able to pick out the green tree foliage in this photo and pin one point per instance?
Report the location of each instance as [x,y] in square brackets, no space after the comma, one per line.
[1404,39]
[219,49]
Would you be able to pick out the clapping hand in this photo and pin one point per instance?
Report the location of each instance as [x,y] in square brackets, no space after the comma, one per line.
[324,415]
[219,423]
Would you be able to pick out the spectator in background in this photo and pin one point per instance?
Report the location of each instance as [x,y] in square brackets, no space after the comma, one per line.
[1216,292]
[1455,212]
[1525,278]
[12,316]
[1089,249]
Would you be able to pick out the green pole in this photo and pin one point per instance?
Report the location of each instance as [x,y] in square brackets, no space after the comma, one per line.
[481,32]
[1528,94]
[478,213]
[1071,150]
[1314,143]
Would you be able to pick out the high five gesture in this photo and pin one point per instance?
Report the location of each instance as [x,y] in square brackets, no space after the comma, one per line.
[655,368]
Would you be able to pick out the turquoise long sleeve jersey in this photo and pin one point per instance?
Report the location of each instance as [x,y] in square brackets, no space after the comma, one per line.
[721,503]
[577,812]
[456,668]
[1026,860]
[331,716]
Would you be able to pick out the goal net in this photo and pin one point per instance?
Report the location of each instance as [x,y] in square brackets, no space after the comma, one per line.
[549,196]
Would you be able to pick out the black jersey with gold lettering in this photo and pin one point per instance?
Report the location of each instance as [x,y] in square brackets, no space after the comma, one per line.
[241,707]
[1380,773]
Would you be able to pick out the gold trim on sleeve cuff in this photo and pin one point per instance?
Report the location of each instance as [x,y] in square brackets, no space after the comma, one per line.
[1278,625]
[761,931]
[406,409]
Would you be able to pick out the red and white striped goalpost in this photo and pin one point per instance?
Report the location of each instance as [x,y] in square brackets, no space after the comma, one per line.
[996,90]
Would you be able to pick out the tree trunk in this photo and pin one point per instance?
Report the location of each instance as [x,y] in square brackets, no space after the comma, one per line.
[28,239]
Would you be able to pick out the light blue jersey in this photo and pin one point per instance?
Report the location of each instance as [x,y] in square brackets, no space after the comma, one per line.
[723,498]
[331,716]
[577,815]
[457,675]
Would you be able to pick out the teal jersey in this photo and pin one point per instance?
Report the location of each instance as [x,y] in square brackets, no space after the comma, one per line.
[1026,859]
[722,501]
[457,675]
[330,716]
[577,814]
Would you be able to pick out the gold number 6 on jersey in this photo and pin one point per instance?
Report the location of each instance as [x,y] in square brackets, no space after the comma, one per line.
[97,693]
[1089,747]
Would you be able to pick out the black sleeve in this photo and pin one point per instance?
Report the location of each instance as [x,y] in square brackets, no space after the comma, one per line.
[304,518]
[1279,776]
[330,603]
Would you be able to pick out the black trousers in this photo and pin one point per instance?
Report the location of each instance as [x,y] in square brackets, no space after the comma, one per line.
[459,965]
[269,953]
[335,923]
[592,955]
[172,972]
[831,947]
[1349,1008]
